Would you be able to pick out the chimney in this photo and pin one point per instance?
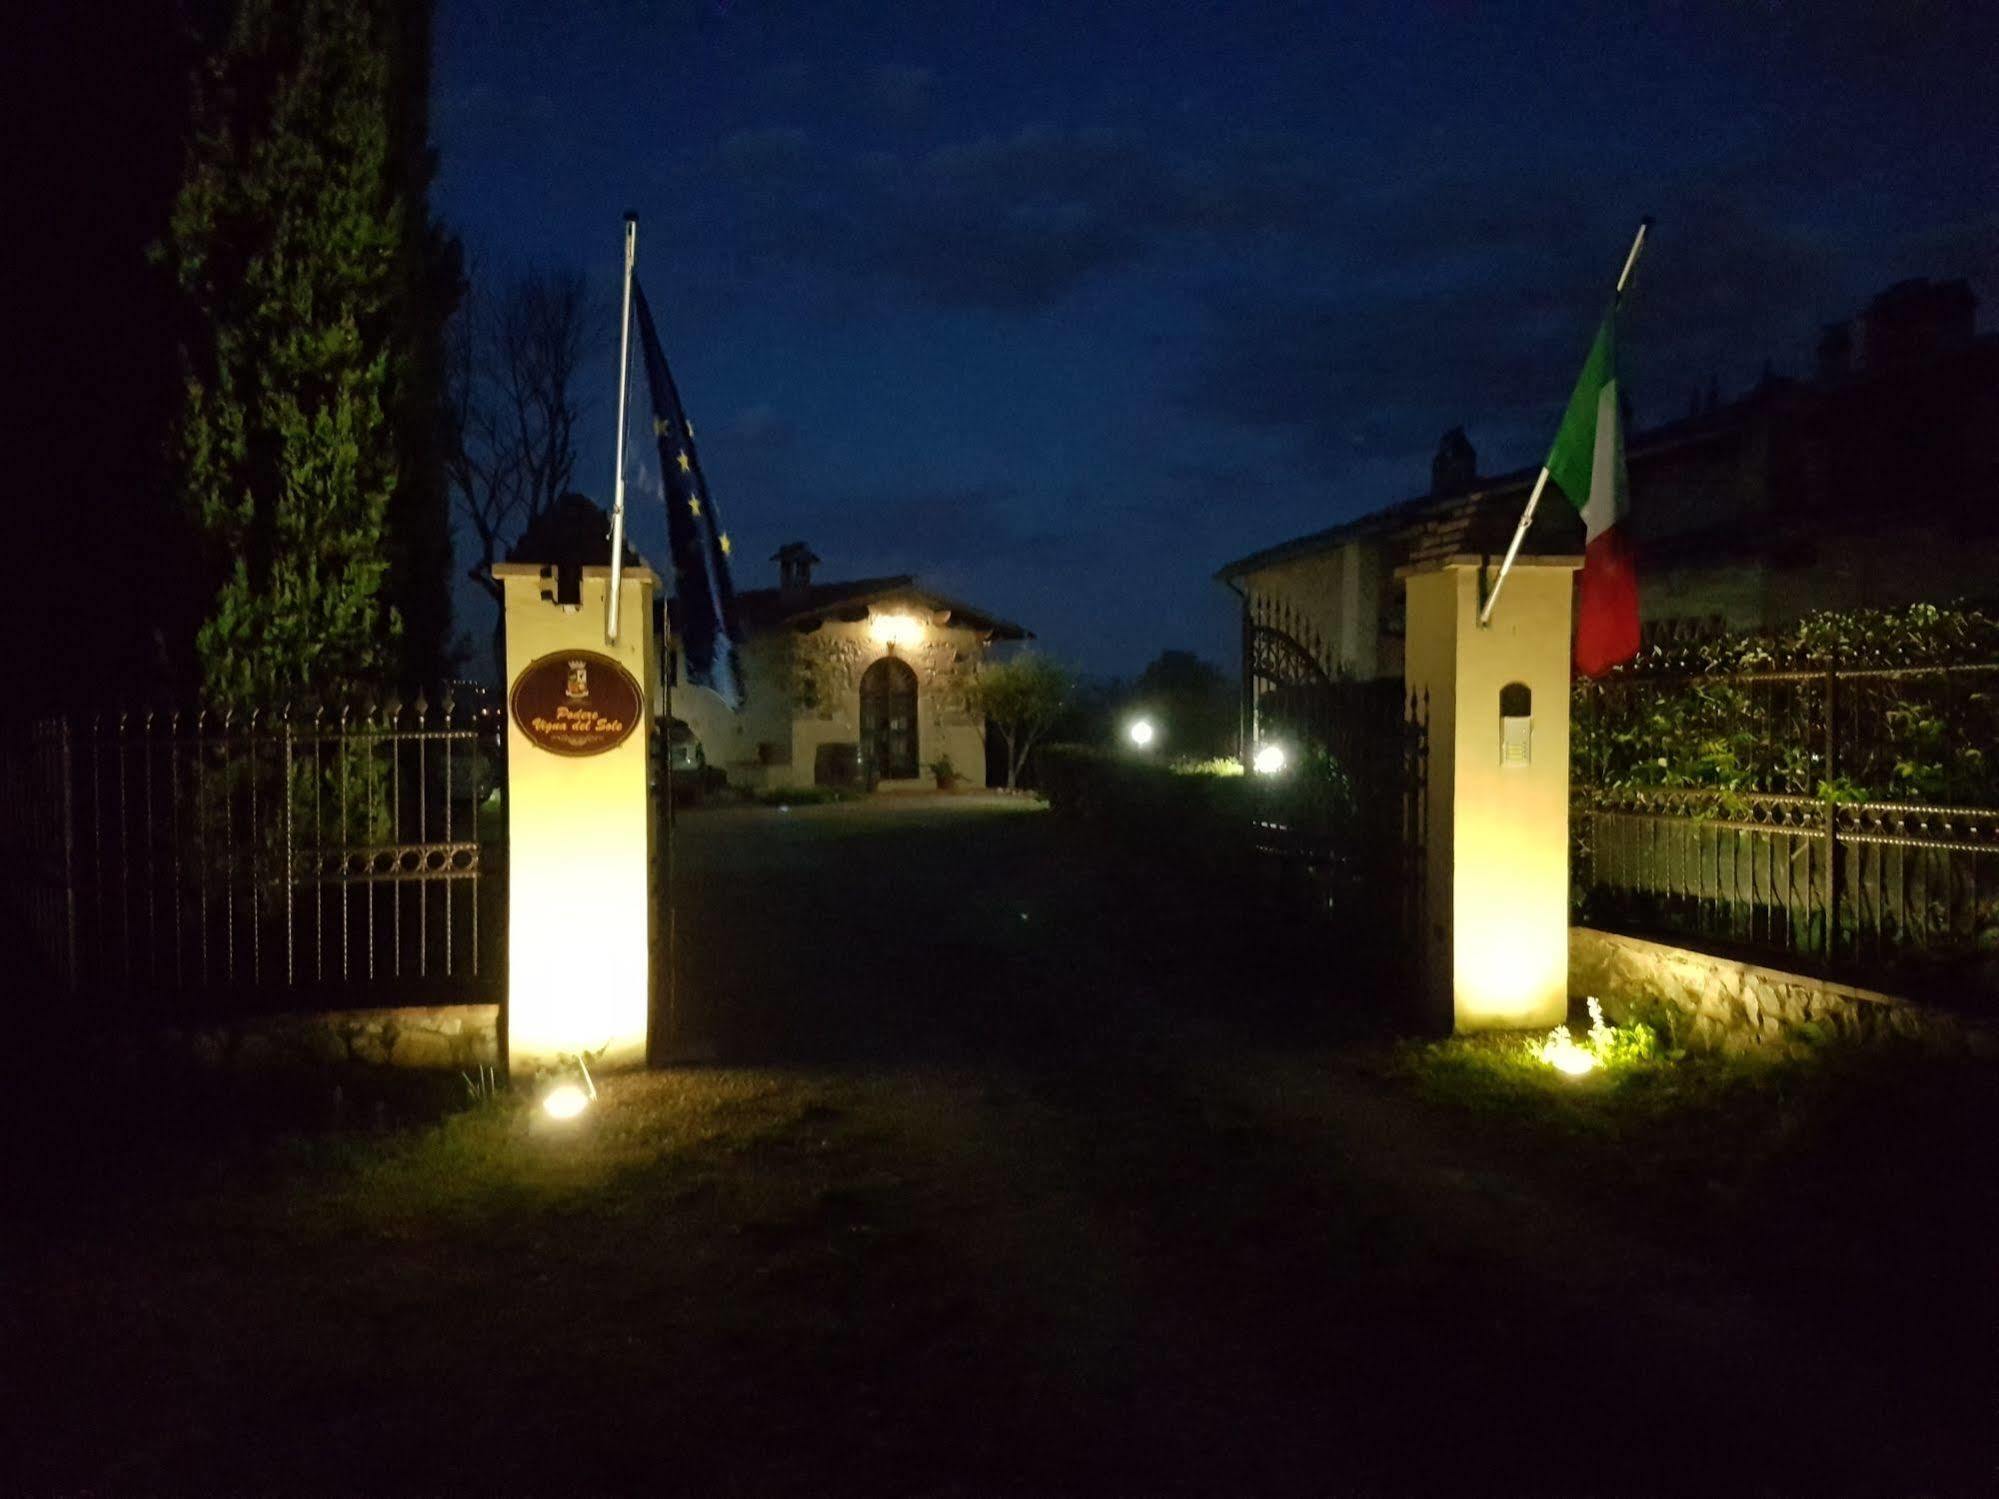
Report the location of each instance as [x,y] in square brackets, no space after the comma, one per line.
[1916,320]
[794,573]
[1455,468]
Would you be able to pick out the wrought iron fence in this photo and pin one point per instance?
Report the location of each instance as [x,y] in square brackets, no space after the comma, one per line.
[213,861]
[1848,817]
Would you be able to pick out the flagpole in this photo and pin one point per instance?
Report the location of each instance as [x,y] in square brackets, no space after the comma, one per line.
[618,483]
[1541,479]
[672,1038]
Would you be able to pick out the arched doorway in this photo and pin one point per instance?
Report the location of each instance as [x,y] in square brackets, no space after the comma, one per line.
[888,720]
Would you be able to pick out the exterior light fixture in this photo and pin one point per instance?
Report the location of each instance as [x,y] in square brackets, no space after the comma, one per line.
[566,1099]
[895,629]
[1270,760]
[1141,733]
[1561,1052]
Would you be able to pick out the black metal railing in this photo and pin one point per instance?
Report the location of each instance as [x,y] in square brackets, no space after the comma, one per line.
[1354,824]
[1847,818]
[204,860]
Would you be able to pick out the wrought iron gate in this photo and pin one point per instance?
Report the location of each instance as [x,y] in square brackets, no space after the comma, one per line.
[1363,852]
[1287,682]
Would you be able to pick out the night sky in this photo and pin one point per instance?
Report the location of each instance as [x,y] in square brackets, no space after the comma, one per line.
[1061,306]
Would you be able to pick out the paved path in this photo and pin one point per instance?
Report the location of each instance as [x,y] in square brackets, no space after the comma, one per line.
[1015,1171]
[1236,1239]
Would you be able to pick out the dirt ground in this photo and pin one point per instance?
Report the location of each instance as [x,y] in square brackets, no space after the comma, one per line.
[1007,1170]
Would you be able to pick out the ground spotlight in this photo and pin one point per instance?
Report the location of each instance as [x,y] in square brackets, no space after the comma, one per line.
[566,1099]
[1270,760]
[1564,1055]
[1141,733]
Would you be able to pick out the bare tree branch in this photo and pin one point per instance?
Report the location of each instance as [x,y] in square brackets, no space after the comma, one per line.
[511,364]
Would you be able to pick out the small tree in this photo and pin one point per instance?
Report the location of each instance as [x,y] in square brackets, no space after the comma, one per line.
[1194,701]
[1020,698]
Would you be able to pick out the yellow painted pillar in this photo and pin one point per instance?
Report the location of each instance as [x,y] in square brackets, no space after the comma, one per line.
[1497,881]
[579,820]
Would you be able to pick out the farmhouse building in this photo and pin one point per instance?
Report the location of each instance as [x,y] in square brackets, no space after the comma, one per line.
[859,682]
[1870,484]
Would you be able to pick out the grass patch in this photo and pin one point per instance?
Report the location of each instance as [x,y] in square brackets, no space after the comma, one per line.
[1652,1102]
[807,796]
[1714,1138]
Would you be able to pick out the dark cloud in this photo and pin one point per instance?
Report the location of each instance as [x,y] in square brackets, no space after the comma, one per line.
[755,454]
[915,529]
[1968,248]
[1015,223]
[1482,314]
[898,91]
[1912,52]
[761,426]
[768,157]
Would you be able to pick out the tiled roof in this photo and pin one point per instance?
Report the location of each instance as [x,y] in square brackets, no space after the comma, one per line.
[1479,521]
[761,609]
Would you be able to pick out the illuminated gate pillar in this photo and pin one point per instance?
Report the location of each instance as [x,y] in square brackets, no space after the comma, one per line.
[579,819]
[1497,876]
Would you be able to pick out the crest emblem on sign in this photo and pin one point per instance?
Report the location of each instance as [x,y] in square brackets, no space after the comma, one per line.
[576,703]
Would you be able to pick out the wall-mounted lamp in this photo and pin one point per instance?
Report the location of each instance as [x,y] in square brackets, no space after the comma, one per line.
[895,630]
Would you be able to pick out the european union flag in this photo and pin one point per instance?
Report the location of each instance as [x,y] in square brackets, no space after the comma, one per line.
[703,608]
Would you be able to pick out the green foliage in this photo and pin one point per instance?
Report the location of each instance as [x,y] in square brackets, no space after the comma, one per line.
[1688,719]
[1919,635]
[1318,793]
[806,796]
[1020,698]
[1632,1044]
[1220,765]
[484,1090]
[1202,809]
[255,820]
[1648,1116]
[300,250]
[1192,702]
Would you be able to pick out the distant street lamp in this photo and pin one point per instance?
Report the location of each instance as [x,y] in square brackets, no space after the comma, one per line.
[1141,733]
[1270,760]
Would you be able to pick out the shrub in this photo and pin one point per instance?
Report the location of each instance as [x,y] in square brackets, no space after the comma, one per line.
[806,796]
[1206,810]
[1693,718]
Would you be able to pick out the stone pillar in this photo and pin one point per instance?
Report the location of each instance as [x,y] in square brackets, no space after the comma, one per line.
[1497,891]
[580,911]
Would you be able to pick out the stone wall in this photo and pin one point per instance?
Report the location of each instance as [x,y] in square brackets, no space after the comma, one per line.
[1725,1004]
[435,1037]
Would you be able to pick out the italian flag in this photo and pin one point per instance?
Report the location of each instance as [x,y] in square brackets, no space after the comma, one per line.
[1588,463]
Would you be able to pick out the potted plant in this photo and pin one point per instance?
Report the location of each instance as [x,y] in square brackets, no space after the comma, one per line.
[945,771]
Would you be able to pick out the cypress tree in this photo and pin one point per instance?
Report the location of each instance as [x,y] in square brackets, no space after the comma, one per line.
[431,281]
[301,248]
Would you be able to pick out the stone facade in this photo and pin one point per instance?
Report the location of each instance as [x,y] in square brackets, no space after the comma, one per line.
[433,1037]
[1724,1004]
[805,692]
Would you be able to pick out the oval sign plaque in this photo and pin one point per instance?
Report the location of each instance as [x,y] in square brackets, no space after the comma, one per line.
[576,703]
